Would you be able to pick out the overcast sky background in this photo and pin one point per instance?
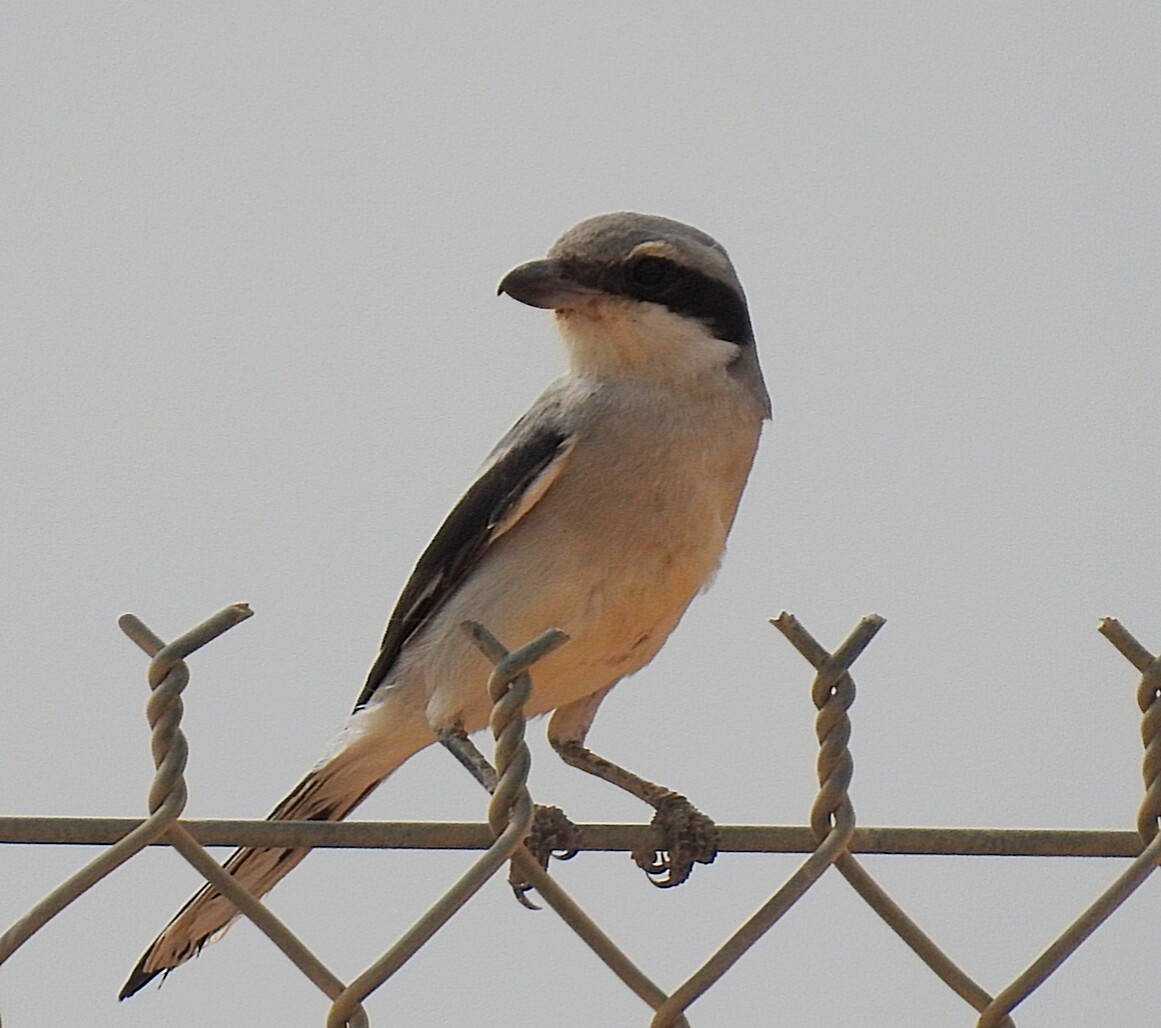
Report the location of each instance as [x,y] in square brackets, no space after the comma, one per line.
[252,351]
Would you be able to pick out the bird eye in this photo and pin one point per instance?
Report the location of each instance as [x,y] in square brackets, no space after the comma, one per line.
[651,273]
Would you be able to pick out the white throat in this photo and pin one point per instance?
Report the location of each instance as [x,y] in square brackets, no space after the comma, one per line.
[616,338]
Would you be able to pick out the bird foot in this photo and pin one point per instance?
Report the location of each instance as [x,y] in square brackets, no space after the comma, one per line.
[552,835]
[689,838]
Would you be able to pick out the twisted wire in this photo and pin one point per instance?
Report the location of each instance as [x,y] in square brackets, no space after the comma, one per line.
[509,687]
[168,675]
[168,788]
[833,692]
[835,820]
[509,816]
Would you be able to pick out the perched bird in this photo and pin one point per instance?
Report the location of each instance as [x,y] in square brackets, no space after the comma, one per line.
[602,512]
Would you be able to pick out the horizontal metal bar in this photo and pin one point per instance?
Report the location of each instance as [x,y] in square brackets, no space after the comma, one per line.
[424,835]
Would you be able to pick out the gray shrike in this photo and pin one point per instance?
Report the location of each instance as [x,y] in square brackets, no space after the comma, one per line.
[602,512]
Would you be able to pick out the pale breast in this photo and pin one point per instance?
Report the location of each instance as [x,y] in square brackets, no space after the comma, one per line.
[612,554]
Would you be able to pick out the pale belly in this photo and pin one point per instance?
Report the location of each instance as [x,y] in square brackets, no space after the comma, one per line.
[618,599]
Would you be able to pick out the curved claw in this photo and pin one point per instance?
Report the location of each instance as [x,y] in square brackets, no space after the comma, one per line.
[552,835]
[690,838]
[521,889]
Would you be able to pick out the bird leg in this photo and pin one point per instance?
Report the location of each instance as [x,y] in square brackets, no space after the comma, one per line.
[689,837]
[552,833]
[455,740]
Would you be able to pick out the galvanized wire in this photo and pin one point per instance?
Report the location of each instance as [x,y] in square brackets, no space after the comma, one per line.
[832,839]
[167,794]
[833,692]
[1067,943]
[509,814]
[526,864]
[164,711]
[593,838]
[1149,701]
[832,820]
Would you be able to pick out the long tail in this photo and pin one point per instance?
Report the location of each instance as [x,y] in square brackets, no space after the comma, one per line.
[328,793]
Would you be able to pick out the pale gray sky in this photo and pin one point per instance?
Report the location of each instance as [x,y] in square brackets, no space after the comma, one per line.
[251,351]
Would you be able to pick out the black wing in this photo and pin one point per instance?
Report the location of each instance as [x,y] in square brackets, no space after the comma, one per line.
[503,494]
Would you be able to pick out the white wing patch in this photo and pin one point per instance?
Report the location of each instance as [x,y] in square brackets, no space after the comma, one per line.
[534,492]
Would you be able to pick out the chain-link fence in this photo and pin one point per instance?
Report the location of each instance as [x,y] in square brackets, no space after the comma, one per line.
[831,840]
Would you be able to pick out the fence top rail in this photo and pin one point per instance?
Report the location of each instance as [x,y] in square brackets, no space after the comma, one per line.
[424,835]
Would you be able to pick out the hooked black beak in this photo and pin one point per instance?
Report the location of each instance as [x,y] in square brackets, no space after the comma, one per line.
[545,283]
